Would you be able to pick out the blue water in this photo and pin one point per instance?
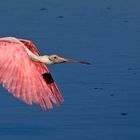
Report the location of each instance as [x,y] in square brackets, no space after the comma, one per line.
[102,101]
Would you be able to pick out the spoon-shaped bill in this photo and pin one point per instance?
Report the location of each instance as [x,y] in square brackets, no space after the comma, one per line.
[76,61]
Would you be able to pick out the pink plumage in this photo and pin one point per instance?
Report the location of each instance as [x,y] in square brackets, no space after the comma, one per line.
[26,79]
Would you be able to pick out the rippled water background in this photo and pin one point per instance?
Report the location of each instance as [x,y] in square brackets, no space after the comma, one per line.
[102,101]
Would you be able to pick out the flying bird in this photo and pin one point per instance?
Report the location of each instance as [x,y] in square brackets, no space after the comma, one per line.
[23,72]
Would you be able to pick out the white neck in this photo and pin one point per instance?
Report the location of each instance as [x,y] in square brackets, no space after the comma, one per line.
[43,59]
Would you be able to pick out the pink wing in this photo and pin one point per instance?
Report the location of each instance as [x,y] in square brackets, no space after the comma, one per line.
[40,66]
[23,78]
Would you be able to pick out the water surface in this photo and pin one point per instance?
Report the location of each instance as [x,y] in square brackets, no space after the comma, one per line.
[102,101]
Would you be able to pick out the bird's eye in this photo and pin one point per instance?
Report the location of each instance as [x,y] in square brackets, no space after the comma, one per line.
[55,57]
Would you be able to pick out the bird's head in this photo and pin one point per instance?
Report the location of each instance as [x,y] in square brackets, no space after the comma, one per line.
[55,59]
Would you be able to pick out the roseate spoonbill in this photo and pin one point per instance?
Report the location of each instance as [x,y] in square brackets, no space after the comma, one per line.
[24,74]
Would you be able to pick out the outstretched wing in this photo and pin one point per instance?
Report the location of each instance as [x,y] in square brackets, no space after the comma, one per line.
[20,76]
[42,68]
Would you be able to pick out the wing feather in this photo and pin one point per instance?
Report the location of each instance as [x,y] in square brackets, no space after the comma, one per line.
[20,76]
[22,94]
[47,100]
[23,77]
[30,91]
[18,86]
[34,91]
[9,77]
[3,69]
[42,68]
